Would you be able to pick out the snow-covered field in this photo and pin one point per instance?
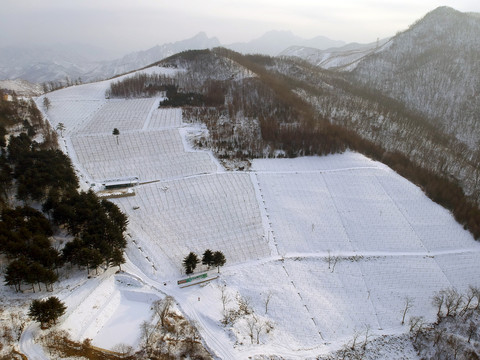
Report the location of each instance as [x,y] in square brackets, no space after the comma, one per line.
[337,243]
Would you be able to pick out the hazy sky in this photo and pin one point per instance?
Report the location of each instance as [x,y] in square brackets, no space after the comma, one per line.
[130,25]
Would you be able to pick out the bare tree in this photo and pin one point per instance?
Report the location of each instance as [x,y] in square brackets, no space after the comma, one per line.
[162,308]
[408,305]
[259,327]
[454,343]
[468,299]
[146,335]
[266,300]
[123,349]
[367,336]
[438,335]
[46,103]
[356,335]
[437,301]
[60,127]
[417,325]
[243,305]
[476,291]
[251,324]
[472,330]
[224,296]
[453,301]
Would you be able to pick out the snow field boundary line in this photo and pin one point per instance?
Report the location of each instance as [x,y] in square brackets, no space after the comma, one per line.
[70,152]
[318,171]
[146,124]
[185,177]
[413,229]
[267,228]
[72,292]
[292,283]
[395,204]
[373,254]
[341,219]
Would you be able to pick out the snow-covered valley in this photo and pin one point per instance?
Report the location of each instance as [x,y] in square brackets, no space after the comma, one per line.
[321,248]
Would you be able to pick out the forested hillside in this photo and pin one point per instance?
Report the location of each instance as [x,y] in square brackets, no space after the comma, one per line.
[433,68]
[36,175]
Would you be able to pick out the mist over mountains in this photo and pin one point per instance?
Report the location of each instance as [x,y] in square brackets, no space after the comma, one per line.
[87,63]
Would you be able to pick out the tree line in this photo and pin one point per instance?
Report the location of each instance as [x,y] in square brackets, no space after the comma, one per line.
[209,258]
[140,85]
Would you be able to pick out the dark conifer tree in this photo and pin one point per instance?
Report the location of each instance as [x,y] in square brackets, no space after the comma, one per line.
[218,259]
[190,262]
[46,311]
[207,258]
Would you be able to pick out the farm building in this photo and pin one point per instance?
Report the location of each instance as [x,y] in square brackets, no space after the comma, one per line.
[120,183]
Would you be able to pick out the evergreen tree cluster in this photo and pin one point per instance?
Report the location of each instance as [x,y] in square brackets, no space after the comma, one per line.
[40,175]
[24,238]
[140,85]
[177,99]
[97,227]
[47,311]
[38,172]
[209,258]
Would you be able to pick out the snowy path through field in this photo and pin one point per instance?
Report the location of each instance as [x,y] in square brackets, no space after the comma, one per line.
[28,346]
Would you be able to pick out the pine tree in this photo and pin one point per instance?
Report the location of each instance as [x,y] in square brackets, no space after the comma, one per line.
[46,311]
[117,258]
[116,132]
[207,258]
[16,273]
[218,259]
[190,262]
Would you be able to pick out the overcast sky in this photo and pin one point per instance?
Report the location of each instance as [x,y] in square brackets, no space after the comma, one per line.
[131,25]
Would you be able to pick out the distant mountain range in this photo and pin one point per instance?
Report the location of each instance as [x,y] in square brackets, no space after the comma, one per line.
[274,42]
[44,64]
[57,63]
[339,58]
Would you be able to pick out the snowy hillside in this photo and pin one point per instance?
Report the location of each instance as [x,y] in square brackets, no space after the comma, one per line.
[140,59]
[433,69]
[320,249]
[342,58]
[21,87]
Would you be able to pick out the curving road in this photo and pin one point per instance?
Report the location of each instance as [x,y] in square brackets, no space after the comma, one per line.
[28,346]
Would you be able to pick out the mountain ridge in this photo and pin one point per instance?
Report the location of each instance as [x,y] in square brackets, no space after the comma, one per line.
[432,67]
[274,42]
[58,64]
